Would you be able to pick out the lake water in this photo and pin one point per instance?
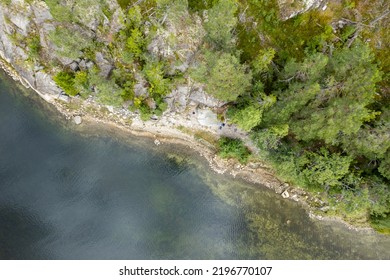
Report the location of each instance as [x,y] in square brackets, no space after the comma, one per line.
[89,193]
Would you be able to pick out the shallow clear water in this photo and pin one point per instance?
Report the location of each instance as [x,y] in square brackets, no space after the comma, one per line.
[71,193]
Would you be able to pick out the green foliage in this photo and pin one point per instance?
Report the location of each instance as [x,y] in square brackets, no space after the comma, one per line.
[311,69]
[327,99]
[246,118]
[224,76]
[124,3]
[65,80]
[291,101]
[81,12]
[70,43]
[174,8]
[154,73]
[125,80]
[199,5]
[370,142]
[262,61]
[60,10]
[34,46]
[134,17]
[270,138]
[6,2]
[325,169]
[145,112]
[352,205]
[381,225]
[81,83]
[233,148]
[220,23]
[136,43]
[384,167]
[380,199]
[107,91]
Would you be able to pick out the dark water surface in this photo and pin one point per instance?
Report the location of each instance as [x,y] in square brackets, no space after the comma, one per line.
[67,194]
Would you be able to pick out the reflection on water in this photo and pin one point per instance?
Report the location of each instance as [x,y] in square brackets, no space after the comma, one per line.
[67,196]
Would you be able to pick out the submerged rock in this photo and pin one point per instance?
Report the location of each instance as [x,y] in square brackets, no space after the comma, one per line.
[77,120]
[285,194]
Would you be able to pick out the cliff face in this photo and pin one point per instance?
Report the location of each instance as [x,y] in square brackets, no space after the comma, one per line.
[41,38]
[20,23]
[26,43]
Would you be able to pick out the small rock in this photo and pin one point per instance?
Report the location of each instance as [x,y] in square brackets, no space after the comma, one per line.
[325,209]
[77,120]
[89,64]
[64,97]
[104,65]
[74,66]
[110,108]
[253,165]
[151,103]
[157,142]
[82,64]
[285,194]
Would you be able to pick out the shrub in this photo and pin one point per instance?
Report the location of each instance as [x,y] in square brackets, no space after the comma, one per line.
[34,46]
[65,80]
[233,148]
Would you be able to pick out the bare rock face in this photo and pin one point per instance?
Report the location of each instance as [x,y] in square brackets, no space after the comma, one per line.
[104,65]
[177,100]
[140,88]
[206,117]
[151,103]
[177,41]
[44,83]
[116,24]
[291,8]
[21,21]
[41,12]
[64,98]
[199,96]
[18,20]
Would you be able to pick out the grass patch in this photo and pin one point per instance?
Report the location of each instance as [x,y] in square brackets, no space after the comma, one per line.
[206,136]
[382,225]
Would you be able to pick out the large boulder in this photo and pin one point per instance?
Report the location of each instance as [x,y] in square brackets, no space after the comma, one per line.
[41,12]
[291,8]
[208,118]
[177,100]
[44,83]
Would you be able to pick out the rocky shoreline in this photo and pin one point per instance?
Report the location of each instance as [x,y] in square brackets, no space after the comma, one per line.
[167,129]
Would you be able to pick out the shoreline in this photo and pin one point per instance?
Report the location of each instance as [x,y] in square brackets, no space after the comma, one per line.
[165,131]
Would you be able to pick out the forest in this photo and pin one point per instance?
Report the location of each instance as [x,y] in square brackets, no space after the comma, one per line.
[310,88]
